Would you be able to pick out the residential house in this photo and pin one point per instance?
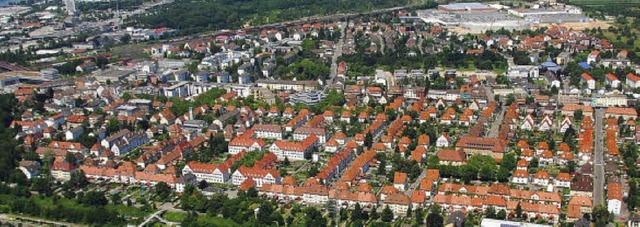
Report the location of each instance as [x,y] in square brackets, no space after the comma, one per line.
[400,180]
[451,157]
[633,80]
[614,197]
[294,150]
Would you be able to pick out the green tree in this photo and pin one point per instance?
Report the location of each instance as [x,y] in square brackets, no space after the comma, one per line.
[387,214]
[126,96]
[314,218]
[162,190]
[42,185]
[264,213]
[490,212]
[203,184]
[252,192]
[509,161]
[368,140]
[578,115]
[601,215]
[78,180]
[419,216]
[502,214]
[632,199]
[126,38]
[94,198]
[519,211]
[435,218]
[356,214]
[373,215]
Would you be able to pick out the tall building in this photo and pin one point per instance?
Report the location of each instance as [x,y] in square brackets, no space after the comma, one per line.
[70,6]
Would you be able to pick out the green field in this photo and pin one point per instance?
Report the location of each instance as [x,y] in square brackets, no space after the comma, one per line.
[596,3]
[175,216]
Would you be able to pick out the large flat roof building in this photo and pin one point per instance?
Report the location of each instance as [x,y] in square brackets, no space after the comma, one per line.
[461,7]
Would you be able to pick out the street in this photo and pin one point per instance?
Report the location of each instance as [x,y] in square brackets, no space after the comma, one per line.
[336,54]
[495,125]
[158,215]
[598,170]
[415,184]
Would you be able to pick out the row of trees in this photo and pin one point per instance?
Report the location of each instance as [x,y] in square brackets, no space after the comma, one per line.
[478,167]
[81,210]
[192,16]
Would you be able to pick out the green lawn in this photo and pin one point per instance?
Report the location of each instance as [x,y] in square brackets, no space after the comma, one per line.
[175,216]
[215,221]
[127,211]
[300,175]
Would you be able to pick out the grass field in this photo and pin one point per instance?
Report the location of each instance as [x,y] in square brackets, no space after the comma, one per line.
[135,50]
[175,216]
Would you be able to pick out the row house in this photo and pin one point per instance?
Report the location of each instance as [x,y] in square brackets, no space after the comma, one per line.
[444,140]
[494,147]
[264,131]
[149,155]
[260,176]
[359,166]
[30,127]
[55,120]
[127,174]
[624,112]
[336,164]
[294,150]
[563,180]
[61,148]
[633,81]
[124,141]
[451,157]
[302,133]
[502,191]
[164,118]
[614,197]
[451,203]
[61,170]
[260,172]
[350,199]
[331,146]
[578,206]
[529,123]
[298,120]
[76,121]
[239,144]
[398,203]
[212,173]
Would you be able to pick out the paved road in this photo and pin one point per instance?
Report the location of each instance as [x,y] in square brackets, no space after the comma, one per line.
[157,215]
[20,220]
[415,184]
[598,170]
[495,125]
[336,54]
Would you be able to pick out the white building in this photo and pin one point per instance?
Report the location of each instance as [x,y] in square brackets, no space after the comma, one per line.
[268,131]
[239,144]
[210,173]
[520,177]
[260,176]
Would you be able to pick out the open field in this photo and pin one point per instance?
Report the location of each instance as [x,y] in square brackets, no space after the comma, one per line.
[598,3]
[134,50]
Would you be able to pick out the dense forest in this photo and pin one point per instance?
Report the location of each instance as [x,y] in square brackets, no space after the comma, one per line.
[191,16]
[8,152]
